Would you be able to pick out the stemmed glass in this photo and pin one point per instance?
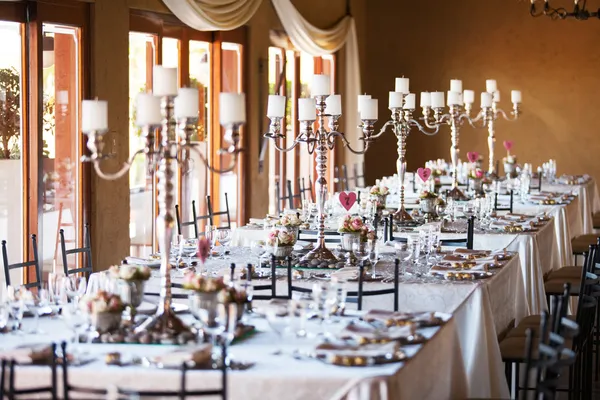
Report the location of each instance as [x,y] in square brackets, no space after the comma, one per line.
[17,307]
[188,247]
[204,308]
[74,319]
[4,314]
[223,237]
[414,247]
[210,235]
[228,313]
[257,247]
[325,302]
[74,287]
[34,303]
[278,316]
[56,292]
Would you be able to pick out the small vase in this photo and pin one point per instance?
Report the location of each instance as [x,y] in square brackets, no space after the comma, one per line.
[283,251]
[348,238]
[208,303]
[379,199]
[427,207]
[476,185]
[509,169]
[136,290]
[106,321]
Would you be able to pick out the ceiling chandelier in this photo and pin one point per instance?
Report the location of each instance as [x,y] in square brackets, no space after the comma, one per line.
[579,12]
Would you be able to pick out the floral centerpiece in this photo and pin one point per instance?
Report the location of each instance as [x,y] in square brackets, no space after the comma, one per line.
[367,234]
[379,194]
[351,229]
[290,222]
[427,203]
[426,194]
[206,294]
[202,284]
[134,276]
[231,295]
[105,310]
[281,241]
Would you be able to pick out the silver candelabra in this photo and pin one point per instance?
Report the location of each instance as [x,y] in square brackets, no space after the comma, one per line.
[172,150]
[319,142]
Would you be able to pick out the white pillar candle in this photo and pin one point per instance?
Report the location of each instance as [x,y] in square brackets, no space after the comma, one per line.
[232,108]
[396,100]
[486,99]
[409,101]
[496,97]
[94,115]
[453,98]
[307,109]
[62,97]
[147,110]
[437,100]
[469,97]
[515,96]
[187,103]
[164,81]
[321,85]
[333,105]
[402,85]
[456,85]
[491,86]
[276,106]
[362,99]
[369,112]
[425,99]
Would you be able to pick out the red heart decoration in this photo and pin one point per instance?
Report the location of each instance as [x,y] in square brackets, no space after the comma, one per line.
[508,144]
[347,199]
[424,173]
[473,156]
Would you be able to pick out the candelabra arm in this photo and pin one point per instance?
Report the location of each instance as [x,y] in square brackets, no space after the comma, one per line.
[284,149]
[384,128]
[331,138]
[118,174]
[427,130]
[472,121]
[514,114]
[230,168]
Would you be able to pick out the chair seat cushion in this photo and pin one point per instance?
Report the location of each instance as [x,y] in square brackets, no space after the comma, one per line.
[582,243]
[530,322]
[513,348]
[565,272]
[555,287]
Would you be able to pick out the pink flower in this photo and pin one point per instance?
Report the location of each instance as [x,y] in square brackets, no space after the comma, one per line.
[356,224]
[479,173]
[203,249]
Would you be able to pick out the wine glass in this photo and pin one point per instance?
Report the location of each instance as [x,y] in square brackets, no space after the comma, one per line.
[4,314]
[228,313]
[189,247]
[74,287]
[257,247]
[414,247]
[34,303]
[224,237]
[56,293]
[204,308]
[278,316]
[210,235]
[17,307]
[74,318]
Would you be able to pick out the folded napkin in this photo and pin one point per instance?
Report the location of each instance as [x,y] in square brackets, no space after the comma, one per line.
[256,221]
[345,274]
[515,217]
[369,332]
[467,268]
[303,245]
[351,350]
[143,261]
[199,356]
[470,251]
[398,318]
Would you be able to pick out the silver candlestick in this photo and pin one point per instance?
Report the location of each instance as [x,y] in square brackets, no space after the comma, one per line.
[490,115]
[173,150]
[319,142]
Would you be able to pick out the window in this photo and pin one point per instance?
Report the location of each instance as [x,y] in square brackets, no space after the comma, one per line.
[213,62]
[296,69]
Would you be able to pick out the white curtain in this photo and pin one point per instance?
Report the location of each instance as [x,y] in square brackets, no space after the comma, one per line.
[319,42]
[213,15]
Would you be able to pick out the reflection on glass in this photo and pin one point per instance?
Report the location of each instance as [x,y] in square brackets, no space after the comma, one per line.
[142,50]
[11,171]
[61,99]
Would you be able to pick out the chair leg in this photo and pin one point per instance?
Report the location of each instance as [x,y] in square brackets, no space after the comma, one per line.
[508,373]
[571,383]
[596,343]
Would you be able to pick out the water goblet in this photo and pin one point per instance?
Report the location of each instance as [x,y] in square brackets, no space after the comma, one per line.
[278,317]
[75,319]
[204,308]
[257,247]
[223,237]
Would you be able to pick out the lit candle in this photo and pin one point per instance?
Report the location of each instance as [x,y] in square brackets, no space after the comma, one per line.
[437,100]
[164,81]
[147,111]
[321,85]
[362,99]
[396,100]
[333,105]
[276,106]
[486,99]
[425,99]
[456,85]
[453,98]
[307,109]
[515,96]
[496,97]
[187,103]
[491,86]
[369,112]
[232,108]
[94,115]
[402,85]
[469,97]
[409,101]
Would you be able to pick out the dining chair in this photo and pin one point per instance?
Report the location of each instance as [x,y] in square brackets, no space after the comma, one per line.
[9,371]
[388,235]
[361,292]
[85,250]
[306,192]
[510,206]
[271,286]
[340,179]
[312,236]
[212,214]
[359,177]
[290,198]
[72,392]
[193,222]
[347,176]
[35,263]
[539,182]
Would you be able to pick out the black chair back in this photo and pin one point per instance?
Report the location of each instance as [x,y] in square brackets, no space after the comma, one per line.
[340,179]
[361,292]
[312,236]
[290,198]
[509,208]
[306,192]
[9,371]
[271,286]
[539,183]
[212,214]
[35,263]
[193,222]
[346,176]
[388,235]
[86,250]
[359,177]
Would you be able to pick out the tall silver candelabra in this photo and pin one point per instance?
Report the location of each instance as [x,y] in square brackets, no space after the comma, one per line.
[320,142]
[401,124]
[172,150]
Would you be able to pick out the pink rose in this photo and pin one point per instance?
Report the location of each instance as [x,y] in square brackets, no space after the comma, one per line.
[356,223]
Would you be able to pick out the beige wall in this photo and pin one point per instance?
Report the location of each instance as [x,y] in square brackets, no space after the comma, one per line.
[110,25]
[554,63]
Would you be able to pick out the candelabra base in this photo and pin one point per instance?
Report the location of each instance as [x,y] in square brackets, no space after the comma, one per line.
[165,323]
[457,194]
[402,216]
[320,254]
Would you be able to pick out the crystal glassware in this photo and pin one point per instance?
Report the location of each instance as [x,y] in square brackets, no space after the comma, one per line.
[278,316]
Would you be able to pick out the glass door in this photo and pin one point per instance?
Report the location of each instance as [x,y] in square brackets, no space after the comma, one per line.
[62,170]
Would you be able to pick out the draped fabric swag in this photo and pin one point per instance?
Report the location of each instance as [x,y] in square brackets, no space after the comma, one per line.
[231,14]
